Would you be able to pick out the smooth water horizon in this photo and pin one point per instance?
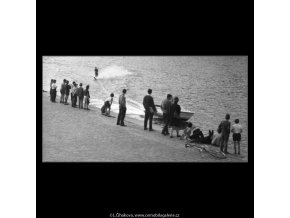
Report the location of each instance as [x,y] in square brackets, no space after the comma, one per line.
[209,86]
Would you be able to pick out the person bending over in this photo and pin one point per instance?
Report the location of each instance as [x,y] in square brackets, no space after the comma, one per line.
[106,109]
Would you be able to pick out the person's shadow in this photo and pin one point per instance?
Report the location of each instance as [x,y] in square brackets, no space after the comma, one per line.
[109,116]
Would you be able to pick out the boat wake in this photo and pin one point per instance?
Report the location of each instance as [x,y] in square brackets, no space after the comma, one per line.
[113,71]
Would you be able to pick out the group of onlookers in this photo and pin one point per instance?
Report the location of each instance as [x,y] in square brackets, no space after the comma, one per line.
[171,113]
[169,106]
[76,91]
[221,139]
[225,129]
[171,117]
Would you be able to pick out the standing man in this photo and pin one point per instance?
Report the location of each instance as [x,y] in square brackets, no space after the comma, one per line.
[122,109]
[87,97]
[51,81]
[150,109]
[165,107]
[74,95]
[67,90]
[81,96]
[62,91]
[225,127]
[53,90]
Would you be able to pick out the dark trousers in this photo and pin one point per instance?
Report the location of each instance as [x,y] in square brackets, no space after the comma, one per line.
[53,95]
[166,123]
[81,99]
[121,115]
[74,100]
[224,143]
[148,116]
[65,98]
[62,98]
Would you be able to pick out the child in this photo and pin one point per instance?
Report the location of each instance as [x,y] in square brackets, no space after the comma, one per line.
[237,130]
[187,131]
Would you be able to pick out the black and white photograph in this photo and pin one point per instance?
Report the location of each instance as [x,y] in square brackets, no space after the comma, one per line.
[144,113]
[145,109]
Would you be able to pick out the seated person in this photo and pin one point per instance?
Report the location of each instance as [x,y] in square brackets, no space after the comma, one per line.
[196,135]
[216,140]
[187,131]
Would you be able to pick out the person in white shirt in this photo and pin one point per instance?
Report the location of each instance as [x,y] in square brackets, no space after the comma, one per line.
[53,91]
[187,131]
[237,130]
[107,105]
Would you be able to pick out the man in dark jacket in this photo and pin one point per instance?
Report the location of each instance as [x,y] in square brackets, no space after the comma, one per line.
[67,90]
[165,107]
[150,109]
[225,127]
[80,94]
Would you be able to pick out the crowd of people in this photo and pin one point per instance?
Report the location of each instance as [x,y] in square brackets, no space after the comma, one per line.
[171,113]
[221,138]
[76,91]
[170,109]
[171,117]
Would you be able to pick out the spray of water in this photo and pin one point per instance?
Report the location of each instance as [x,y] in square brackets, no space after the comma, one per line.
[113,71]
